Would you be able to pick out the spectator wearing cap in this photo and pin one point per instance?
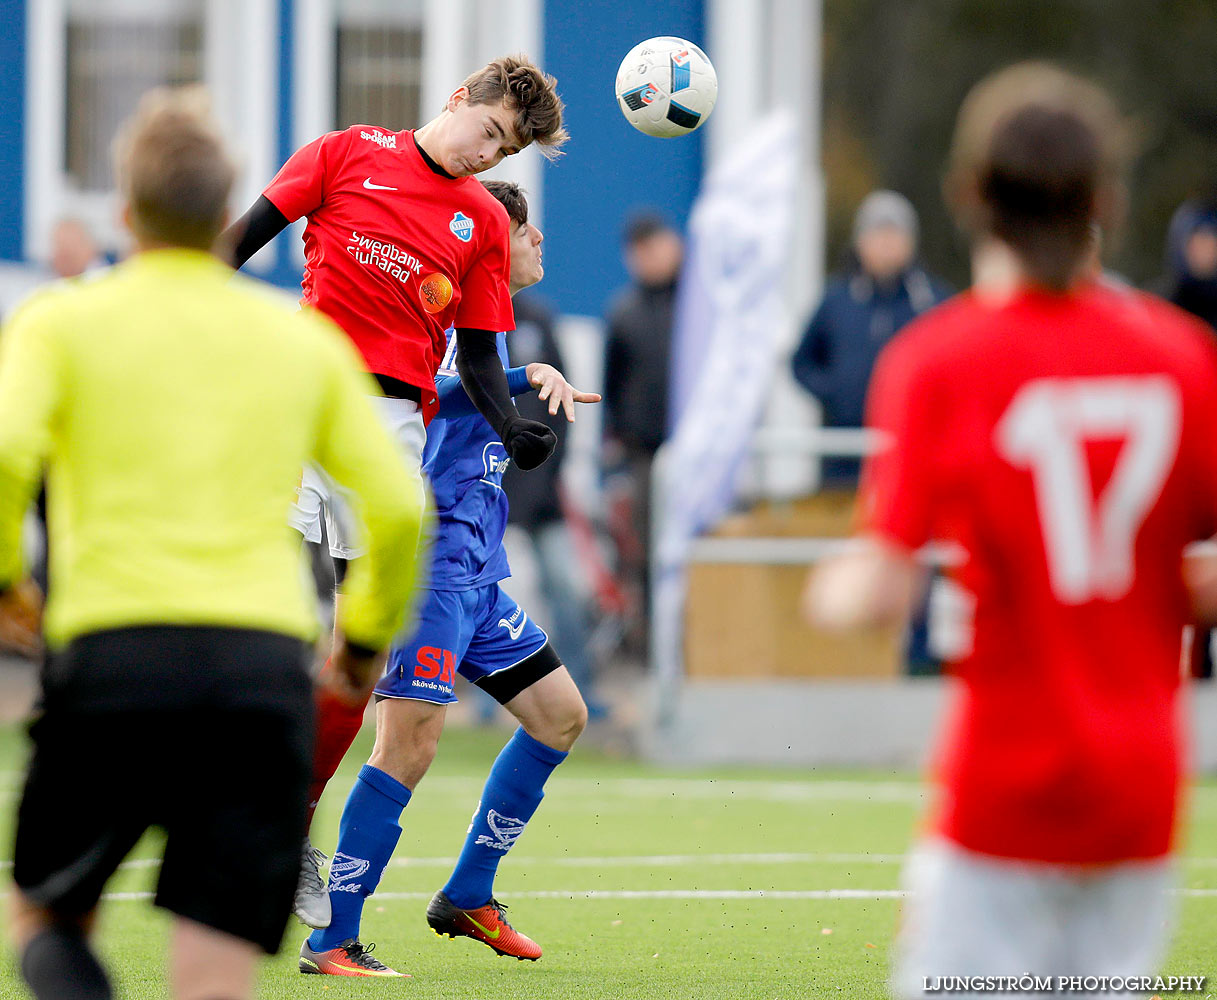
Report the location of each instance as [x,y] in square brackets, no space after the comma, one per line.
[882,289]
[638,347]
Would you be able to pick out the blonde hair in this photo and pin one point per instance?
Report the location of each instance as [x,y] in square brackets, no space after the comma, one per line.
[531,94]
[173,168]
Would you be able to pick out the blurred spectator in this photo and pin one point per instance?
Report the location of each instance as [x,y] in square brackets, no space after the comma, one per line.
[1191,260]
[73,249]
[882,289]
[638,348]
[1190,283]
[536,505]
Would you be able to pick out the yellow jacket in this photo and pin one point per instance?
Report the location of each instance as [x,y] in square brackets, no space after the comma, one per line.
[173,406]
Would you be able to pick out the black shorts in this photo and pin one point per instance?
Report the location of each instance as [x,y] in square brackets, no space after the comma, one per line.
[204,732]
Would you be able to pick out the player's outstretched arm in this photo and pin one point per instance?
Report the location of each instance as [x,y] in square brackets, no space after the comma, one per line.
[454,401]
[250,233]
[551,383]
[552,386]
[873,584]
[528,442]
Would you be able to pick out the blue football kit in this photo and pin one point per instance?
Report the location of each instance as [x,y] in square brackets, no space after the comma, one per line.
[466,623]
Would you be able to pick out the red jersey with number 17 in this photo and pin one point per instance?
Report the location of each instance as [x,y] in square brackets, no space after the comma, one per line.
[395,253]
[1064,443]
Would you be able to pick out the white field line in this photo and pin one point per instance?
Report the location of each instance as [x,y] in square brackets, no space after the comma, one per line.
[653,860]
[895,791]
[712,788]
[723,894]
[672,860]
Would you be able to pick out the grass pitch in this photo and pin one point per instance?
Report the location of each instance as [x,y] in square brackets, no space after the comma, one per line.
[638,882]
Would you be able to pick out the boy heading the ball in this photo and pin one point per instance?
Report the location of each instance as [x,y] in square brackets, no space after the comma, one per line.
[402,243]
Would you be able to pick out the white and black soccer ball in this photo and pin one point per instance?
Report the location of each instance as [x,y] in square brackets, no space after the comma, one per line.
[666,87]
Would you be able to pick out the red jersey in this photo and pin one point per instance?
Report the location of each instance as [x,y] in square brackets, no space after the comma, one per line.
[1065,445]
[395,253]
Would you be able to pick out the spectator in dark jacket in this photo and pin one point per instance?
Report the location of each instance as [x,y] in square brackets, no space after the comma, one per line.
[638,350]
[1190,283]
[639,337]
[1191,260]
[536,504]
[862,309]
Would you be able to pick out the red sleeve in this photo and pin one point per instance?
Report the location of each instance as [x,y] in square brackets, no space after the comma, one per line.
[299,187]
[485,293]
[898,481]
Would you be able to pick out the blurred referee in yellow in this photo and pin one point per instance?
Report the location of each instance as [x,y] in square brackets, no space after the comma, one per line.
[173,406]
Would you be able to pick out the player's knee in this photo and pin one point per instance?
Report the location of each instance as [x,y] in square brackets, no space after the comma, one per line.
[407,738]
[578,718]
[563,723]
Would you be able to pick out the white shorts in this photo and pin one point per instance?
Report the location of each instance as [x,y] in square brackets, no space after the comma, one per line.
[971,915]
[320,497]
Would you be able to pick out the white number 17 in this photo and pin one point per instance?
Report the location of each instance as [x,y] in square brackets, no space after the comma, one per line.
[1089,542]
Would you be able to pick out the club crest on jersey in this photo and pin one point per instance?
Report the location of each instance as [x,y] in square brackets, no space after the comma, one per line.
[462,227]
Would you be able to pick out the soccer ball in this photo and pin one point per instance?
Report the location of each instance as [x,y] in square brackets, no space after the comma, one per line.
[666,87]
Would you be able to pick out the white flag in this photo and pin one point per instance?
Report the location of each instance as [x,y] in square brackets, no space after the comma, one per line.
[725,350]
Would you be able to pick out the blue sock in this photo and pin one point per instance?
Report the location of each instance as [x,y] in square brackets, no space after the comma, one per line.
[367,834]
[512,793]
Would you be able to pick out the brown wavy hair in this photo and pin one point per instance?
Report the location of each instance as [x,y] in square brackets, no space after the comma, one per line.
[529,93]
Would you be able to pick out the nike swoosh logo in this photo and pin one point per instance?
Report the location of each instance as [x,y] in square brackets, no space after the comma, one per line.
[513,632]
[493,935]
[376,187]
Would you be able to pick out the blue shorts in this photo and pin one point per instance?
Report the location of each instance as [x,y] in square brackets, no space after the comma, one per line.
[475,633]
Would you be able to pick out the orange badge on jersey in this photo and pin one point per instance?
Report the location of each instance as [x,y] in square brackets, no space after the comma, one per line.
[436,292]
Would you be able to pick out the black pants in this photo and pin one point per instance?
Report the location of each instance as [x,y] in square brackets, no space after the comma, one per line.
[204,732]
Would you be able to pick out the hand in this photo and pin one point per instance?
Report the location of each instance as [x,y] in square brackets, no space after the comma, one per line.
[557,390]
[871,584]
[350,676]
[21,619]
[528,442]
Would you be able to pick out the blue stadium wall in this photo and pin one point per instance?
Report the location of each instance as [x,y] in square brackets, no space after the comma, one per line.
[12,129]
[609,169]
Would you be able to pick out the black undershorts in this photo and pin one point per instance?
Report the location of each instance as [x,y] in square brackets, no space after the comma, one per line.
[204,732]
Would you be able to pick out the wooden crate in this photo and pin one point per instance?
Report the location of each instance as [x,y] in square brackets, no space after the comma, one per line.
[742,620]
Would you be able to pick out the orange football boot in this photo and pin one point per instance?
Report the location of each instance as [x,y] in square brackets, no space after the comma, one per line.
[349,959]
[487,924]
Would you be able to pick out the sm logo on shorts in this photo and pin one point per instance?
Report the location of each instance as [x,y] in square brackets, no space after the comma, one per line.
[435,664]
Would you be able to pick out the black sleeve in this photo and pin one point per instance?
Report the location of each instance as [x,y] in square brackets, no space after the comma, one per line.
[528,442]
[250,233]
[482,375]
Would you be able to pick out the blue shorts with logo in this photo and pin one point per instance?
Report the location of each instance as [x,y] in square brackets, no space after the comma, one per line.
[475,633]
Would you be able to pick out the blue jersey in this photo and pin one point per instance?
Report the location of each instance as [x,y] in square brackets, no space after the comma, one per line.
[465,461]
